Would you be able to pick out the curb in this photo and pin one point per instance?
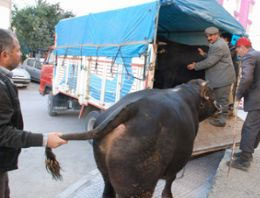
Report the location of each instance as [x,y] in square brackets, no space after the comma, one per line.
[72,189]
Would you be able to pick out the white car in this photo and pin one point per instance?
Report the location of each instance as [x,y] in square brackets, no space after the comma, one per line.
[21,77]
[33,66]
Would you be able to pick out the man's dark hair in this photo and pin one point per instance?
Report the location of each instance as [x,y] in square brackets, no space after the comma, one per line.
[6,40]
[227,35]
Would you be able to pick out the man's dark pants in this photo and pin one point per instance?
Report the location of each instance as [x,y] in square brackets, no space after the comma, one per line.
[222,98]
[4,188]
[250,135]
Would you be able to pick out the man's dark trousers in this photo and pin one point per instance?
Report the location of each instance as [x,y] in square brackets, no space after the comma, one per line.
[222,97]
[251,132]
[4,188]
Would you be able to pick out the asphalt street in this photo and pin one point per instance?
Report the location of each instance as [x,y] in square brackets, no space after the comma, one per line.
[31,180]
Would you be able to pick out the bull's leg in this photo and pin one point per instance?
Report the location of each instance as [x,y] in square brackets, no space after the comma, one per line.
[167,193]
[109,191]
[135,189]
[146,194]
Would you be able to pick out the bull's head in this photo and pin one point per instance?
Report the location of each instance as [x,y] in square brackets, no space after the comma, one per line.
[208,105]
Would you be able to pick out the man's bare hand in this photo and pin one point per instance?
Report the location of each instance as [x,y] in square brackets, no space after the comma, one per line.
[191,66]
[201,52]
[54,140]
[236,103]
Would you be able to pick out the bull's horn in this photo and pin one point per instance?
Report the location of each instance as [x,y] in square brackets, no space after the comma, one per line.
[162,43]
[206,97]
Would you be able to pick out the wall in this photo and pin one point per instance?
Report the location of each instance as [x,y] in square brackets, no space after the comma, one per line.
[254,29]
[247,13]
[5,13]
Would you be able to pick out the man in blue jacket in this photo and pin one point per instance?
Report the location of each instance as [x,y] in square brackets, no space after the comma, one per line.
[12,135]
[249,88]
[219,71]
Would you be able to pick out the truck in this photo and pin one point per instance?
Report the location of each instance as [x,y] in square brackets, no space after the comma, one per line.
[101,57]
[56,103]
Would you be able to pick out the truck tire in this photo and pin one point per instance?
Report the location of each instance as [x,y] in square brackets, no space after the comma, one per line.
[90,121]
[51,111]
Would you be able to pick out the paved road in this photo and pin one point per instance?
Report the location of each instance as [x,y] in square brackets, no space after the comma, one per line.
[76,158]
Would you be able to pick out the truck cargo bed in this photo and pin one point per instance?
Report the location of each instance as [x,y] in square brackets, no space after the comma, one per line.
[210,138]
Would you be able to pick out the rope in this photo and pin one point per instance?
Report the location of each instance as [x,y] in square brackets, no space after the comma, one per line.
[65,57]
[236,105]
[96,64]
[128,73]
[234,137]
[114,60]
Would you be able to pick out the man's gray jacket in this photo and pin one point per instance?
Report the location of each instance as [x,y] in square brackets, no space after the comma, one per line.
[249,86]
[218,65]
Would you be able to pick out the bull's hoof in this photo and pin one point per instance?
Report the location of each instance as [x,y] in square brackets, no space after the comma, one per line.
[108,196]
[167,195]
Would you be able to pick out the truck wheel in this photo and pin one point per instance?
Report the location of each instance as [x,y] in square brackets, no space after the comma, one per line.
[90,121]
[51,111]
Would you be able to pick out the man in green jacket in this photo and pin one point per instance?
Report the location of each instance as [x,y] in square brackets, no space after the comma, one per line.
[12,135]
[219,71]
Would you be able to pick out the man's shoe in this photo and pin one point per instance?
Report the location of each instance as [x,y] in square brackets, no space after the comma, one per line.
[217,123]
[239,164]
[238,155]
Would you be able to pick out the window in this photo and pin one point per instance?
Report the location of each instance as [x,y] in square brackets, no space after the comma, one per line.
[38,65]
[30,62]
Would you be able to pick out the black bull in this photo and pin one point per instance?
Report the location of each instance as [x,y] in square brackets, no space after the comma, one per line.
[172,61]
[145,136]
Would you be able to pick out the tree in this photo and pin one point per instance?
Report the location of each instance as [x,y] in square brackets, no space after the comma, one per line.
[35,25]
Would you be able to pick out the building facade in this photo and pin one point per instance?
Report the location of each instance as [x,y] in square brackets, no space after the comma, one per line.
[247,13]
[5,12]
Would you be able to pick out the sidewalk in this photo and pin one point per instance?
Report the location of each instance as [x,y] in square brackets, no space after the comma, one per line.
[238,184]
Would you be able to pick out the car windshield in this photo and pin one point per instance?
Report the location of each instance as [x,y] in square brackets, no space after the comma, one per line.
[30,62]
[38,65]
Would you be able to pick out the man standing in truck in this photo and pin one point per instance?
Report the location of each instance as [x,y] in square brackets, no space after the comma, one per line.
[219,71]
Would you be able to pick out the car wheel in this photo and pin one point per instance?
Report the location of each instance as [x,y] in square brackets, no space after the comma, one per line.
[90,121]
[51,111]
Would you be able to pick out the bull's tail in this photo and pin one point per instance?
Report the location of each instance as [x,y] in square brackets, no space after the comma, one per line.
[107,125]
[116,118]
[52,165]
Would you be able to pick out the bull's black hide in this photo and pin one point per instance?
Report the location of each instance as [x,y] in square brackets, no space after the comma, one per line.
[172,61]
[146,136]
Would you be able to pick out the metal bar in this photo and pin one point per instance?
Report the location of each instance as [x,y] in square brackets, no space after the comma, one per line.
[104,45]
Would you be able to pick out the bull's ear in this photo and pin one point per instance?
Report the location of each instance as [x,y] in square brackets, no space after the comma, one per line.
[203,90]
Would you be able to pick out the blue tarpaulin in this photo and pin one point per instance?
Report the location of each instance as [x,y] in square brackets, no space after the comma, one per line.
[184,21]
[127,32]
